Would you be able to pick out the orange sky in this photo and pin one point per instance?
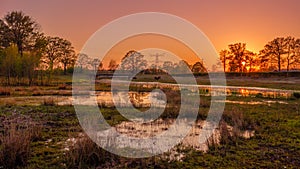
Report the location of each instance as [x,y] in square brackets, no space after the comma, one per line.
[141,42]
[254,22]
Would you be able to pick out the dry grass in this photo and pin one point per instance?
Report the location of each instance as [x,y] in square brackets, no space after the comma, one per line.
[62,87]
[18,131]
[87,154]
[5,91]
[49,102]
[10,102]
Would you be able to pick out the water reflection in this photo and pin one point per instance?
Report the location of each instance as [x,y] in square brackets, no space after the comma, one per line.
[144,99]
[146,130]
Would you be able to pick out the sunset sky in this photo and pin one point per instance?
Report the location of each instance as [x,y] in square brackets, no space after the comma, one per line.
[254,22]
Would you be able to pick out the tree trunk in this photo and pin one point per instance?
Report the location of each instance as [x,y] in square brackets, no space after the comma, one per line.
[279,64]
[20,48]
[288,65]
[65,69]
[51,65]
[224,64]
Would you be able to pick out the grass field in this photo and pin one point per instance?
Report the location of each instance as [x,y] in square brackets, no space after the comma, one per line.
[276,142]
[50,136]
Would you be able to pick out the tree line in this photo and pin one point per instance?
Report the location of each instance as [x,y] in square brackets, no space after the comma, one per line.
[28,56]
[135,62]
[280,54]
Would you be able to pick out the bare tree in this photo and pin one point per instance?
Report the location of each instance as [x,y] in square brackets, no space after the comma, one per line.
[274,51]
[224,57]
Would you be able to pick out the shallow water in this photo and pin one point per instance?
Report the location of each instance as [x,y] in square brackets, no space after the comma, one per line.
[128,132]
[138,99]
[145,99]
[222,90]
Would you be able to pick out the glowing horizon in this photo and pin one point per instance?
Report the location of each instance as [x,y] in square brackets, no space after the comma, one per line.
[224,22]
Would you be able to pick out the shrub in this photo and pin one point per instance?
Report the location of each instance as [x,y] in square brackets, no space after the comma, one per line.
[87,154]
[296,95]
[259,95]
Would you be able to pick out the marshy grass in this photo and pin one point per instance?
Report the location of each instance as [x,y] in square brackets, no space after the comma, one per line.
[87,154]
[5,91]
[17,133]
[49,101]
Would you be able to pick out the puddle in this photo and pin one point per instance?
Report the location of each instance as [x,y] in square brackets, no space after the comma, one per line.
[135,130]
[150,130]
[263,102]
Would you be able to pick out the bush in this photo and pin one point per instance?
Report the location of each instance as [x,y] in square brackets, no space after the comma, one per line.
[87,154]
[296,95]
[259,95]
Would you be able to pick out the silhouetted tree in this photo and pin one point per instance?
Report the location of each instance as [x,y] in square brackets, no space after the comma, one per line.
[198,67]
[18,28]
[66,55]
[133,61]
[296,53]
[237,52]
[168,66]
[52,51]
[182,67]
[292,51]
[224,57]
[112,65]
[251,60]
[82,60]
[274,51]
[97,64]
